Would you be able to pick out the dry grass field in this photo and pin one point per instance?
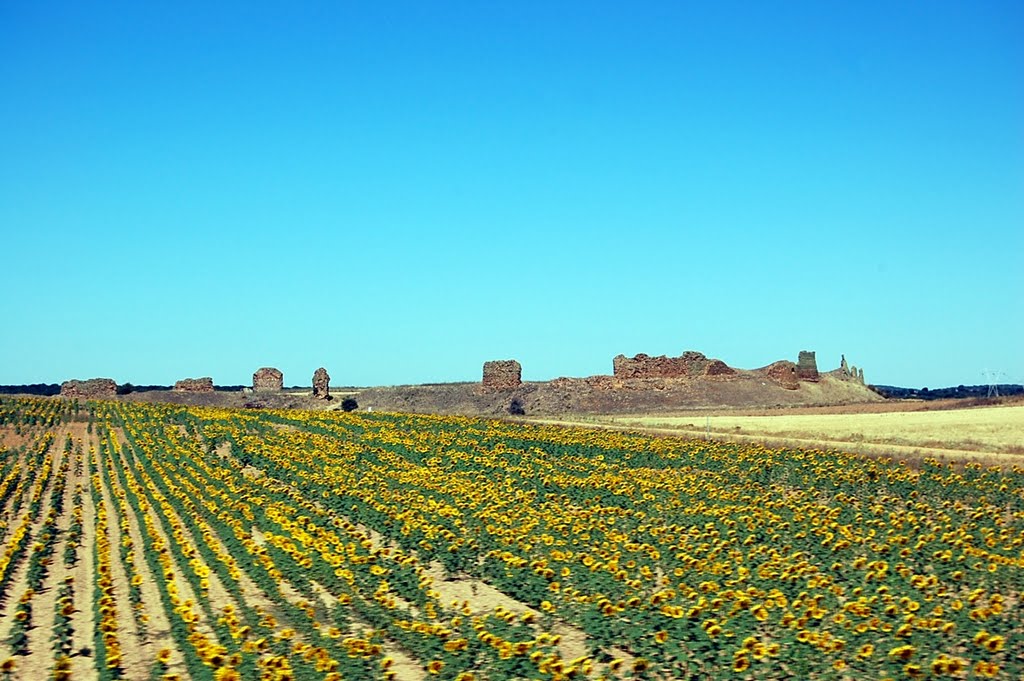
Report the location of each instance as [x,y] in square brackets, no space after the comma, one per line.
[991,434]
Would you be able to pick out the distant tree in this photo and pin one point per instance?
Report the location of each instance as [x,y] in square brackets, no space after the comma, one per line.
[125,389]
[349,404]
[516,408]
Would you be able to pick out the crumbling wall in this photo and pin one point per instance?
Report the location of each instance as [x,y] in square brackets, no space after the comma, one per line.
[194,385]
[93,388]
[688,365]
[784,373]
[502,374]
[267,379]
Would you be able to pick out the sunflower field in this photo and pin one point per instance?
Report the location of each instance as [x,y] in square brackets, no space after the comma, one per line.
[161,542]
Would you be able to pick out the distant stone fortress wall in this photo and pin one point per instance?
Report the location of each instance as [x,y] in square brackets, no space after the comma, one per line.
[507,374]
[688,365]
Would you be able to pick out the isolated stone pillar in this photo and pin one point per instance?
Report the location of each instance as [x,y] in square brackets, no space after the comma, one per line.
[321,383]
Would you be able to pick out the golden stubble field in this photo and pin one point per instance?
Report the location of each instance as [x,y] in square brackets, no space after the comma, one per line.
[989,434]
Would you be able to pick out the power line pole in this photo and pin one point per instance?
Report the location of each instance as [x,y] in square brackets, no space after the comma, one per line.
[992,378]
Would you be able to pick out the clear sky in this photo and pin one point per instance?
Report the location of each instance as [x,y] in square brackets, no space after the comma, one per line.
[401,191]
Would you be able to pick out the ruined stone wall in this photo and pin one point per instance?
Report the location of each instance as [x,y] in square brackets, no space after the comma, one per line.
[807,366]
[502,374]
[688,365]
[93,388]
[194,385]
[784,373]
[267,379]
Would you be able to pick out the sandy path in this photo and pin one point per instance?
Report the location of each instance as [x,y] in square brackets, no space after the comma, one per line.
[40,661]
[83,621]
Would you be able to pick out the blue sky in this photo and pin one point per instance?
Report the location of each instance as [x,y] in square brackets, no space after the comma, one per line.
[401,191]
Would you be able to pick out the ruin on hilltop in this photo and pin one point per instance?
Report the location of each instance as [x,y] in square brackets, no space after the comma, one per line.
[502,375]
[690,364]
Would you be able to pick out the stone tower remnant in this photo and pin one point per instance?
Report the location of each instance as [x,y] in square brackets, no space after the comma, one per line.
[807,366]
[93,388]
[321,384]
[267,379]
[502,374]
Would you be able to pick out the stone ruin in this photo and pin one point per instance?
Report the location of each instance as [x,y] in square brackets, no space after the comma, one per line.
[849,372]
[94,388]
[807,366]
[502,375]
[194,385]
[717,367]
[321,384]
[785,373]
[688,365]
[267,379]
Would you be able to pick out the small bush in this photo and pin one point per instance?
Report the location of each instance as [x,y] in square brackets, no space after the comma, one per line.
[516,408]
[349,404]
